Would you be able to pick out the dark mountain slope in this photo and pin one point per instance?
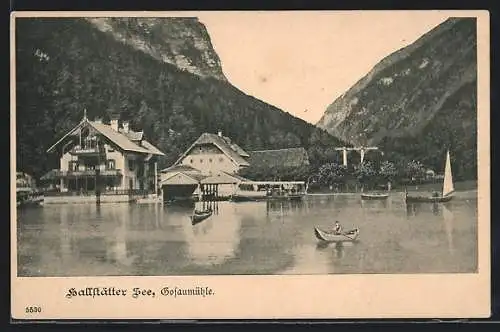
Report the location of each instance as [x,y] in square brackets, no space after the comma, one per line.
[67,65]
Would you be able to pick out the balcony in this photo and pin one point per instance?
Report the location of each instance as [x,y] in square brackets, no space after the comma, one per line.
[87,150]
[86,173]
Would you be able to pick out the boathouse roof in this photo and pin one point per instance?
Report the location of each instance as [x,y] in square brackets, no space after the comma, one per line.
[183,178]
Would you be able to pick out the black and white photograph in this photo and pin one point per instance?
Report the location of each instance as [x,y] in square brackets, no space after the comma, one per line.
[250,144]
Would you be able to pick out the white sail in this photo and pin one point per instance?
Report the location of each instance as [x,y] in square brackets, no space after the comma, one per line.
[448,187]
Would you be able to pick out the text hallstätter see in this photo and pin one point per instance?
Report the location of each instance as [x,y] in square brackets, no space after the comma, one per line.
[201,291]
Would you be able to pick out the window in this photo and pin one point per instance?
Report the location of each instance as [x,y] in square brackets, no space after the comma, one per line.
[131,164]
[191,161]
[221,159]
[73,166]
[210,160]
[110,164]
[201,161]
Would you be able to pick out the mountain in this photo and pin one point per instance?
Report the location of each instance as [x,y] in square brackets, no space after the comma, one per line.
[418,101]
[183,42]
[112,67]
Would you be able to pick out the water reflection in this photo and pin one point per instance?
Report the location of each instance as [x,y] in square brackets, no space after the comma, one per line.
[442,211]
[279,210]
[448,224]
[336,248]
[215,239]
[270,237]
[116,244]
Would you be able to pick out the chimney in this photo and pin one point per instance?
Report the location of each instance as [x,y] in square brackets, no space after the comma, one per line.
[219,133]
[125,125]
[114,124]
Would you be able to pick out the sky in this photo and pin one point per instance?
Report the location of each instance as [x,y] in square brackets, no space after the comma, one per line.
[301,62]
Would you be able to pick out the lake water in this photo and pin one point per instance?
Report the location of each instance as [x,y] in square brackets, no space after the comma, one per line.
[248,238]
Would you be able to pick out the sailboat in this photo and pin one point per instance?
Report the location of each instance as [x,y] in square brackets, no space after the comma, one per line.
[447,193]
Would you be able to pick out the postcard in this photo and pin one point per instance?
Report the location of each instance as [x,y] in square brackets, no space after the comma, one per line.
[250,165]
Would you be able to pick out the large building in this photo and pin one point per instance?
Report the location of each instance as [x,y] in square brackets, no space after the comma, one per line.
[212,153]
[210,166]
[115,156]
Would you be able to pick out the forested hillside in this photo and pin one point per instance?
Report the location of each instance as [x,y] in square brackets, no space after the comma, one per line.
[67,65]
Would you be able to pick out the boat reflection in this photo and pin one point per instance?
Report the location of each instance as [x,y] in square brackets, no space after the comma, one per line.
[214,240]
[338,250]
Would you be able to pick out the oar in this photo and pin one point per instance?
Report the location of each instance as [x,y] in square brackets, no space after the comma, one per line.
[350,238]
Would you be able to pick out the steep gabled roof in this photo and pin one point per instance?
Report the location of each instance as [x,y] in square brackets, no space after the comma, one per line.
[151,148]
[181,177]
[239,150]
[132,135]
[71,132]
[118,138]
[223,143]
[291,157]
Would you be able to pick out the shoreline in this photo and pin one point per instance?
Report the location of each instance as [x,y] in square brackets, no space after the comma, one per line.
[391,193]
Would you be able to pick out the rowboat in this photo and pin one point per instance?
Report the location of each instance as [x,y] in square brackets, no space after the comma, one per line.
[349,236]
[377,196]
[26,196]
[446,194]
[199,216]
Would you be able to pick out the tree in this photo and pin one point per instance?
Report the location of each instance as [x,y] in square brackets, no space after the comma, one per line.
[388,171]
[365,173]
[414,170]
[331,173]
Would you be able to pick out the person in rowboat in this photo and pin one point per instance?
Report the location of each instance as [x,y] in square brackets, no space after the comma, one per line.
[337,228]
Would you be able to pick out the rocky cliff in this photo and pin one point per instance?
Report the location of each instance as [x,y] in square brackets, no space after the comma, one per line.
[418,101]
[181,41]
